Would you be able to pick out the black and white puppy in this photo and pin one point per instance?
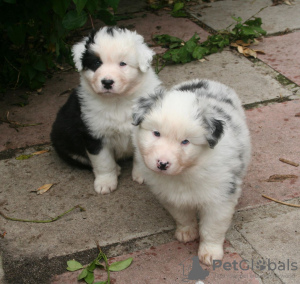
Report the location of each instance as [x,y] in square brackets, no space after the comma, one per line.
[192,149]
[93,129]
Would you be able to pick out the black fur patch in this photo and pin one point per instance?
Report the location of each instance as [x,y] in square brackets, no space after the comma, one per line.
[215,130]
[90,61]
[220,98]
[110,31]
[202,84]
[91,39]
[70,136]
[144,106]
[232,187]
[222,113]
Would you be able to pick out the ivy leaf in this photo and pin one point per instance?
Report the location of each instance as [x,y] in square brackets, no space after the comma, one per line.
[120,265]
[92,6]
[199,52]
[60,6]
[106,17]
[39,64]
[114,4]
[239,19]
[89,279]
[101,282]
[72,20]
[17,34]
[178,6]
[83,274]
[80,4]
[74,265]
[168,41]
[92,266]
[192,43]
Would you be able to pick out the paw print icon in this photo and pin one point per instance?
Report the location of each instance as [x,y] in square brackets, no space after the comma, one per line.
[261,265]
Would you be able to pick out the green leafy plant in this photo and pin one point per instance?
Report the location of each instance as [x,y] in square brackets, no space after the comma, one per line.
[87,273]
[178,10]
[176,6]
[180,51]
[37,36]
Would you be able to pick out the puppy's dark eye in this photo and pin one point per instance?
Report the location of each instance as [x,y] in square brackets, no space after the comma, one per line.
[185,142]
[123,63]
[97,64]
[156,133]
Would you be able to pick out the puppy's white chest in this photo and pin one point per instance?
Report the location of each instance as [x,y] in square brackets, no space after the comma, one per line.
[111,123]
[108,122]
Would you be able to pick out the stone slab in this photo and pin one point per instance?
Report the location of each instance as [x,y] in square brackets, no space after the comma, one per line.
[132,209]
[268,232]
[282,53]
[253,82]
[275,134]
[217,15]
[277,239]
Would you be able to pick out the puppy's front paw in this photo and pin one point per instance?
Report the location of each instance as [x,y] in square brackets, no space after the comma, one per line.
[136,176]
[209,252]
[187,234]
[106,183]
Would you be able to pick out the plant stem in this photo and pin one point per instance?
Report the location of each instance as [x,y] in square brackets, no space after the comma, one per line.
[102,255]
[42,221]
[280,202]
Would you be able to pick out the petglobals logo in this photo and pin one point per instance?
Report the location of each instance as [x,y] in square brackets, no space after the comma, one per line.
[263,264]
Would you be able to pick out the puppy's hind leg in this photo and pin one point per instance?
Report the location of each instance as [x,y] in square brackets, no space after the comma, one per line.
[106,171]
[215,220]
[186,222]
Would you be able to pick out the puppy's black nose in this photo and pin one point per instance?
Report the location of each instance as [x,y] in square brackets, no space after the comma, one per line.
[107,84]
[162,165]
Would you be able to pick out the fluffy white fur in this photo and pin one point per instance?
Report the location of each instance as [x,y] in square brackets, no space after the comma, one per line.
[107,112]
[192,149]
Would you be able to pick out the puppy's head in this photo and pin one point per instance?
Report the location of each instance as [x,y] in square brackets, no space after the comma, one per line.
[174,131]
[112,60]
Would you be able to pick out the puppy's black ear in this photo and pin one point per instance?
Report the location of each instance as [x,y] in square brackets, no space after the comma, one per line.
[80,48]
[144,106]
[215,129]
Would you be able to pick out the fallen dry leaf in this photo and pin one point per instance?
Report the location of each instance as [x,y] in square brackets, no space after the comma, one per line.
[240,49]
[244,48]
[44,188]
[249,52]
[242,43]
[288,162]
[278,178]
[259,51]
[40,152]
